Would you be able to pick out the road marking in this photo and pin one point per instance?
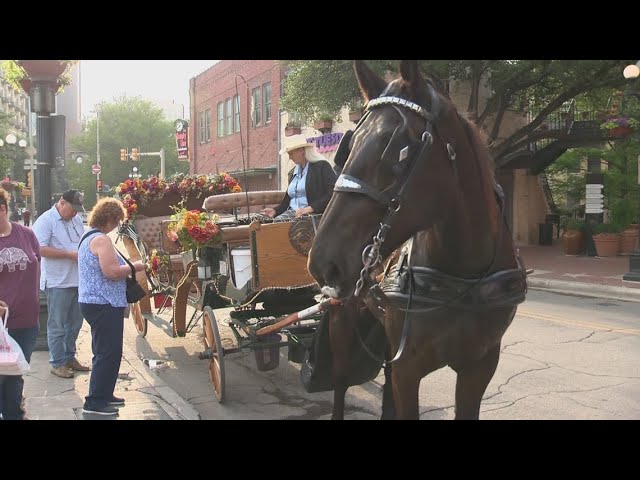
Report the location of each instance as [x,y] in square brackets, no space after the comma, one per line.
[598,326]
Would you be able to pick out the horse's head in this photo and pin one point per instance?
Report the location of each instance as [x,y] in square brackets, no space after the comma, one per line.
[400,175]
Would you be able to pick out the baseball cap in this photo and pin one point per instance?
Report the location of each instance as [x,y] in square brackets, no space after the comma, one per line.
[74,197]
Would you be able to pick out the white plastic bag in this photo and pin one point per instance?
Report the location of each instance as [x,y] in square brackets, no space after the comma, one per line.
[12,361]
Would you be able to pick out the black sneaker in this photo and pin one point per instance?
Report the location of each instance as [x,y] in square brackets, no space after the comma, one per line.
[115,401]
[106,410]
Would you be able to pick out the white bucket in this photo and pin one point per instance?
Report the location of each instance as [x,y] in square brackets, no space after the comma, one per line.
[241,266]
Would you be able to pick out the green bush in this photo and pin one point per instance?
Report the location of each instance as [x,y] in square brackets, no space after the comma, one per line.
[575,224]
[607,228]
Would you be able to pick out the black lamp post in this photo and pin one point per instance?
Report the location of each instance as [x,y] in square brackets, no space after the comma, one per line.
[631,72]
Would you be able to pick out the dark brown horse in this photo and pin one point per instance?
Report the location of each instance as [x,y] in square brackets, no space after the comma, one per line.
[418,178]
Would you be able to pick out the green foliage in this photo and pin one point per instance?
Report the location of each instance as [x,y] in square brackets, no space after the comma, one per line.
[539,86]
[13,73]
[607,228]
[575,224]
[325,117]
[124,123]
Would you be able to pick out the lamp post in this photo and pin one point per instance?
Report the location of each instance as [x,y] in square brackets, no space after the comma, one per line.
[632,72]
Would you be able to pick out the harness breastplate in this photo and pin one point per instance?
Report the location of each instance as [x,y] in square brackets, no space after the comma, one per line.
[415,288]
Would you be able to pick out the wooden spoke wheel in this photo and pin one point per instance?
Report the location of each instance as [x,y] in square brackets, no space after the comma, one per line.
[139,320]
[213,341]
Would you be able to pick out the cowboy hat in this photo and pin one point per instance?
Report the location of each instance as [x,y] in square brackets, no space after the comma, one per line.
[294,142]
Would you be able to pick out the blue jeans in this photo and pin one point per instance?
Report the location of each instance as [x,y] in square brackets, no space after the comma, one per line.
[107,330]
[63,324]
[11,386]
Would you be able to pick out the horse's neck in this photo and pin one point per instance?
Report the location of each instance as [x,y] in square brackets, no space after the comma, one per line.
[466,241]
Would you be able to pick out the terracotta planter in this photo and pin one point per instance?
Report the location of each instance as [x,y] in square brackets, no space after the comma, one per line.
[324,125]
[572,242]
[628,241]
[619,132]
[355,116]
[288,131]
[607,244]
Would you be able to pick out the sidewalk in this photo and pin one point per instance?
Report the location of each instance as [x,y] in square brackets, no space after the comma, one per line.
[579,275]
[147,397]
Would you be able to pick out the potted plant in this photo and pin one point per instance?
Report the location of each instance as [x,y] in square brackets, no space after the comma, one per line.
[573,237]
[323,122]
[606,239]
[355,110]
[618,126]
[292,127]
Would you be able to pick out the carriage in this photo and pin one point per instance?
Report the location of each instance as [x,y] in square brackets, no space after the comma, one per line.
[258,269]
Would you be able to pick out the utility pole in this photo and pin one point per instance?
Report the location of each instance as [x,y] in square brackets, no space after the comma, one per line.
[162,160]
[97,151]
[31,152]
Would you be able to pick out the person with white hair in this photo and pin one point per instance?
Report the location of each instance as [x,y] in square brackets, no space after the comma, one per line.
[311,182]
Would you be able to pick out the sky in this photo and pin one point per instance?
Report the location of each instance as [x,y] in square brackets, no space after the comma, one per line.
[160,80]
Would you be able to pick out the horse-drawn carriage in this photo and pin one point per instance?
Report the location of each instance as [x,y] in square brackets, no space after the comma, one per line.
[259,269]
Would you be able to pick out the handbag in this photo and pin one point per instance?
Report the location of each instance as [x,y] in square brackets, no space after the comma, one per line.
[135,292]
[12,360]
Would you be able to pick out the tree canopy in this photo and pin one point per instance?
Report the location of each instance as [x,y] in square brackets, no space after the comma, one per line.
[539,87]
[125,123]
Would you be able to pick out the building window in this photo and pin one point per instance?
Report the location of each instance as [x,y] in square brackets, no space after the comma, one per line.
[256,105]
[229,130]
[236,113]
[266,95]
[207,121]
[201,127]
[220,119]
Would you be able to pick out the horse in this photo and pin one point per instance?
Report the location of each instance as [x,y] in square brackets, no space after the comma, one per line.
[418,181]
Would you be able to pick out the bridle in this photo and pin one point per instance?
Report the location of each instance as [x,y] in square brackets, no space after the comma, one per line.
[393,196]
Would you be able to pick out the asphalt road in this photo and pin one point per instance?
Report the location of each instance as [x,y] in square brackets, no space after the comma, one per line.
[564,357]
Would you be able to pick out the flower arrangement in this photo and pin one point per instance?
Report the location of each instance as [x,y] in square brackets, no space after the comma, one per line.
[616,121]
[192,229]
[158,263]
[10,185]
[136,192]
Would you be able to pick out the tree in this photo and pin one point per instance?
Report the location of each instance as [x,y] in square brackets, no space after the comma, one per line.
[125,123]
[5,160]
[539,86]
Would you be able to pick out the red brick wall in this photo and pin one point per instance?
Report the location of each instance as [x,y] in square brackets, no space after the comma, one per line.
[260,144]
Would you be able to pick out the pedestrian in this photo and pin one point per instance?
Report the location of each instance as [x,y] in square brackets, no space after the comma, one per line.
[26,217]
[59,230]
[103,298]
[19,274]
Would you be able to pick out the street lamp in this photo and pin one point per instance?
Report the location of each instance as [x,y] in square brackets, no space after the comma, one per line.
[631,72]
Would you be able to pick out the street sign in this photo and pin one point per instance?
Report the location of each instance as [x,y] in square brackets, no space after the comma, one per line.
[95,169]
[594,195]
[594,187]
[594,210]
[27,164]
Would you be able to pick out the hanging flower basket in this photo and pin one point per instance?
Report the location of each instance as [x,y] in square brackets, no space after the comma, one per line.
[620,132]
[323,125]
[355,116]
[288,131]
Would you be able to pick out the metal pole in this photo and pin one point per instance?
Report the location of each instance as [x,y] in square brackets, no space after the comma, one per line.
[162,163]
[33,177]
[97,149]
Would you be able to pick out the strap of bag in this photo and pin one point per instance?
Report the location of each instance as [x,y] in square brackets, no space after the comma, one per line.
[6,318]
[90,232]
[133,270]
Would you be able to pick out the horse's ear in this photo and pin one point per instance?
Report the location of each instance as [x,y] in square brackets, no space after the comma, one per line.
[371,85]
[410,73]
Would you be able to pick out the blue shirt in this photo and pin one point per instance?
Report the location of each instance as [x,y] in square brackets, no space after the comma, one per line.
[94,286]
[53,231]
[296,189]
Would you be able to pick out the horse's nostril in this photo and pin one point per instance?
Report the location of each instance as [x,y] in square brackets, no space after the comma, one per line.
[333,273]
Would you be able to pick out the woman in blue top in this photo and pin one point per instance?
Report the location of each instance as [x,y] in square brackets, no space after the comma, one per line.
[102,298]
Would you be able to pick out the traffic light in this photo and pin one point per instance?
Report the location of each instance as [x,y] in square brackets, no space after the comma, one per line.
[98,185]
[123,154]
[135,154]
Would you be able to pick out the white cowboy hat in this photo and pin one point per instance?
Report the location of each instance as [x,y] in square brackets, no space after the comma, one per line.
[294,142]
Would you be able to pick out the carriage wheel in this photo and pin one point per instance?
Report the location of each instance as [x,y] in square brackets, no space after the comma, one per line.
[139,320]
[216,363]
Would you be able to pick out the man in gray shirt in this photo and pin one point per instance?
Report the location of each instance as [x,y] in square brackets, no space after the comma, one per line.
[59,231]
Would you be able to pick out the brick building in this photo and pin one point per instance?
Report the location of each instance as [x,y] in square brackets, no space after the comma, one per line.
[234,109]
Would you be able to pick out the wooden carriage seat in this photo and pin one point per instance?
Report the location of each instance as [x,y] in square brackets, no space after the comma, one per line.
[152,231]
[229,201]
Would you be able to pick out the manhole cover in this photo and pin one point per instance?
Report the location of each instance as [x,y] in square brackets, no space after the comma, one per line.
[131,411]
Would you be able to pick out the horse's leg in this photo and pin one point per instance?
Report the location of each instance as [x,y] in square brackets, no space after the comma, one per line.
[340,338]
[388,408]
[471,383]
[405,393]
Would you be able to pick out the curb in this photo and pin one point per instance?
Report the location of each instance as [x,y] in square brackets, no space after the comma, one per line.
[183,410]
[626,294]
